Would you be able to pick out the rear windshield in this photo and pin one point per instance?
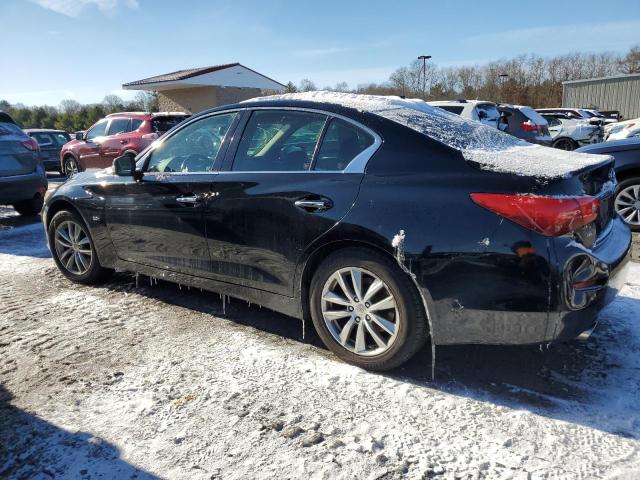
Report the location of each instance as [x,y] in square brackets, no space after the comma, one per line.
[532,115]
[165,123]
[7,128]
[451,108]
[51,139]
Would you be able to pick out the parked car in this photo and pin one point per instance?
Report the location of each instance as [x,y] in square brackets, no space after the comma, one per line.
[627,166]
[622,130]
[568,133]
[525,123]
[574,114]
[126,133]
[23,181]
[482,111]
[599,115]
[50,143]
[339,207]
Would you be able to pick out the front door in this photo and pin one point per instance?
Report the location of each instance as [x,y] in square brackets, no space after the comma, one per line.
[158,221]
[283,185]
[89,149]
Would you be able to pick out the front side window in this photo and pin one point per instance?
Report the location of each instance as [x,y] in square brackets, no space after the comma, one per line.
[98,130]
[341,144]
[119,126]
[194,148]
[276,141]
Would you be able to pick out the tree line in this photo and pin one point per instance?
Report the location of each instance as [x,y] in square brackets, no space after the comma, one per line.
[523,80]
[72,116]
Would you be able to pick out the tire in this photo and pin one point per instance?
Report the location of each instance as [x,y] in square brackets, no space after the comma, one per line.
[408,317]
[627,202]
[31,207]
[88,272]
[565,143]
[70,166]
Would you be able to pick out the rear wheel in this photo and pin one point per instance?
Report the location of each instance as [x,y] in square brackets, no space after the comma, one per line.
[366,309]
[73,249]
[30,207]
[70,166]
[627,202]
[565,144]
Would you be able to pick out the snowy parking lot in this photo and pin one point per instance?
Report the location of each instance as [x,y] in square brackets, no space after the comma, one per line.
[154,381]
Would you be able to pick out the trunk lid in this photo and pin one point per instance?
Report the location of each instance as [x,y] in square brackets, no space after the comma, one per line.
[15,158]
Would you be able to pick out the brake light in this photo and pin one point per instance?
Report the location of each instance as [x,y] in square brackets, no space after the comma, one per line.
[31,144]
[529,126]
[550,216]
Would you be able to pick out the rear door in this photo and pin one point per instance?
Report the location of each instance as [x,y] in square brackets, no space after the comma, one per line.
[289,178]
[159,221]
[15,157]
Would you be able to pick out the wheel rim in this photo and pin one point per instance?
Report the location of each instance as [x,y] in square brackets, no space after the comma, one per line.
[70,167]
[628,204]
[564,145]
[73,247]
[360,311]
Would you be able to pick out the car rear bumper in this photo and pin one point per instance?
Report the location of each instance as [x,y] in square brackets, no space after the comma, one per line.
[22,187]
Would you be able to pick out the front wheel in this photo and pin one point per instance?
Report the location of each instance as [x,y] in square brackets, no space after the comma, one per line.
[73,249]
[627,202]
[367,310]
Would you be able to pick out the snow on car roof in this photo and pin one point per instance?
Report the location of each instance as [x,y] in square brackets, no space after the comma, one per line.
[484,145]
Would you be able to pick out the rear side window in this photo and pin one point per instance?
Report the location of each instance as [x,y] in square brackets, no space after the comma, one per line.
[119,126]
[7,128]
[135,124]
[61,138]
[487,111]
[452,109]
[341,144]
[278,141]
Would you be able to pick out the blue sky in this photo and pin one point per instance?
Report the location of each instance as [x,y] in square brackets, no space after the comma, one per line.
[85,49]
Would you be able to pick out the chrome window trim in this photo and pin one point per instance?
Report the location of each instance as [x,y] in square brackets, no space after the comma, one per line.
[357,165]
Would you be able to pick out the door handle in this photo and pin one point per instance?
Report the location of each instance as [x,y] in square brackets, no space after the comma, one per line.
[313,205]
[189,199]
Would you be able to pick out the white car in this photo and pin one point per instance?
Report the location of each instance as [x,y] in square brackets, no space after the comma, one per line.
[482,111]
[622,130]
[569,133]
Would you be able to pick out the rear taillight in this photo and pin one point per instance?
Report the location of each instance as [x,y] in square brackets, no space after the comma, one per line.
[31,144]
[550,216]
[529,126]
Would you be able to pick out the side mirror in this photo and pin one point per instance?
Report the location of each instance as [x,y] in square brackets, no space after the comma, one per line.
[79,136]
[124,166]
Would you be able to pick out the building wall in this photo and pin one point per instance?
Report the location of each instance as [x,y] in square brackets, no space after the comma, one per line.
[621,93]
[197,99]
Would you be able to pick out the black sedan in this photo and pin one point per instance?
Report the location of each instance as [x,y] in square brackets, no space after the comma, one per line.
[50,142]
[627,166]
[385,221]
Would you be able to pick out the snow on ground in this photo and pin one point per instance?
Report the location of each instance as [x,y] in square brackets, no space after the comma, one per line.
[484,145]
[154,382]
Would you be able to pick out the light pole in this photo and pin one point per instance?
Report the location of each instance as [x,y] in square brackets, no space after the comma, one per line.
[503,80]
[424,59]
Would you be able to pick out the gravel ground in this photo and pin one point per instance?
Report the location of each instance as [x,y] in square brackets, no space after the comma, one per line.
[155,381]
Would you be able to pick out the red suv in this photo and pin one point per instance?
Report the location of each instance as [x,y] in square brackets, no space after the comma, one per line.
[126,133]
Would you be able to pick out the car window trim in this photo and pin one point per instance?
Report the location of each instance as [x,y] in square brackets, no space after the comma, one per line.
[147,153]
[357,165]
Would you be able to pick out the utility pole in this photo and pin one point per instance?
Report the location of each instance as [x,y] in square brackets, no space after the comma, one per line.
[503,79]
[424,59]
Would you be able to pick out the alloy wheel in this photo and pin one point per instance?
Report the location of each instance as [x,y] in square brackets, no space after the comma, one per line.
[627,204]
[360,311]
[564,144]
[73,247]
[70,167]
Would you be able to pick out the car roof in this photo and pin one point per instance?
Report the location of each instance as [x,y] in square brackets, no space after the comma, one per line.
[145,114]
[612,146]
